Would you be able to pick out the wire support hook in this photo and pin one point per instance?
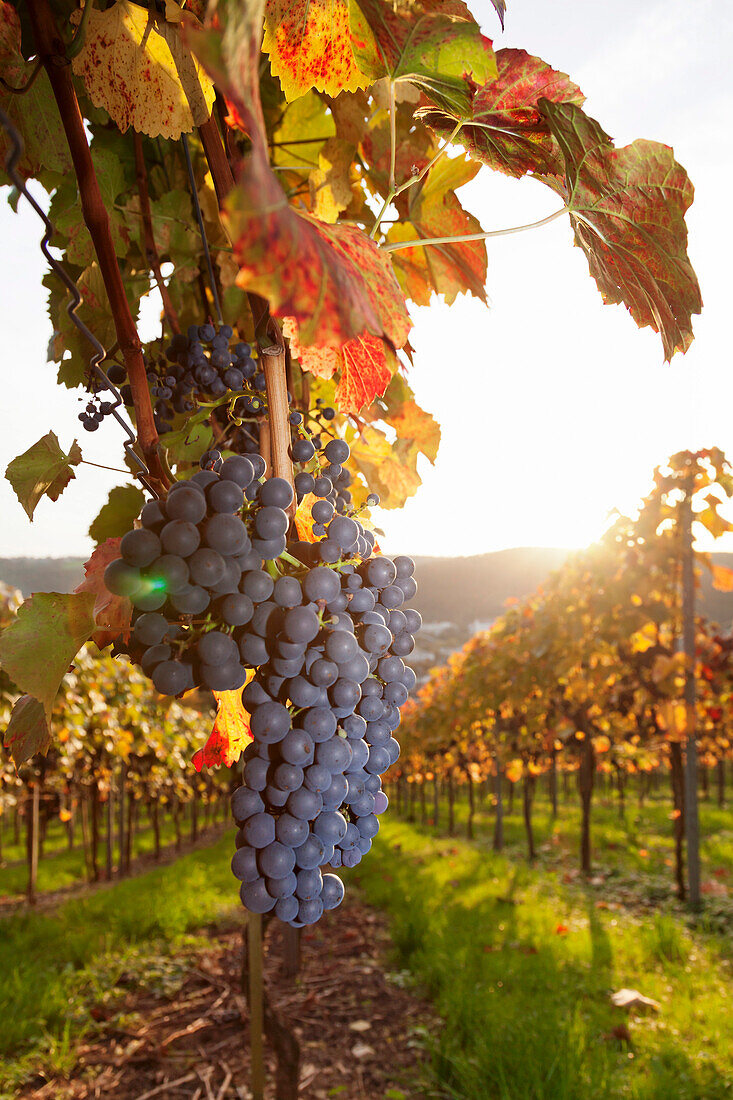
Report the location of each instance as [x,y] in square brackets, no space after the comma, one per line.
[99,355]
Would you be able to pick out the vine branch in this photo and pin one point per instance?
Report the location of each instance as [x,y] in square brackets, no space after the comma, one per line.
[395,190]
[151,251]
[51,49]
[423,242]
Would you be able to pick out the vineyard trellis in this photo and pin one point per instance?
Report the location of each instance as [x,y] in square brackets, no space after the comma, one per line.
[591,675]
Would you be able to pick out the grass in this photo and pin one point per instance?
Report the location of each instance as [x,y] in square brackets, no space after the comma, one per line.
[520,964]
[519,960]
[61,867]
[56,966]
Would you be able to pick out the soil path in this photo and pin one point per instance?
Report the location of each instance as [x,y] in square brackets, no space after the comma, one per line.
[361,1032]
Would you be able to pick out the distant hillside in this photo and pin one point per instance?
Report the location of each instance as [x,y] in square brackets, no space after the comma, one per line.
[461,591]
[42,574]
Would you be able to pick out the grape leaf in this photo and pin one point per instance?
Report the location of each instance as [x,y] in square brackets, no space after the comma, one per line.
[500,8]
[42,470]
[34,112]
[365,372]
[504,127]
[418,427]
[389,471]
[27,731]
[333,279]
[627,209]
[309,43]
[722,578]
[436,51]
[365,365]
[331,182]
[117,516]
[435,211]
[304,520]
[112,614]
[231,733]
[37,649]
[136,66]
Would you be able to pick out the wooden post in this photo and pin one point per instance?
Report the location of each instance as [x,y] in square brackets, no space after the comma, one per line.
[110,828]
[451,805]
[586,775]
[677,776]
[436,800]
[498,844]
[254,947]
[121,785]
[720,773]
[471,805]
[291,951]
[692,822]
[527,784]
[34,800]
[273,365]
[553,781]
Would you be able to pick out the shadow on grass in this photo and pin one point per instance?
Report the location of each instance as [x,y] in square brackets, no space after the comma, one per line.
[521,980]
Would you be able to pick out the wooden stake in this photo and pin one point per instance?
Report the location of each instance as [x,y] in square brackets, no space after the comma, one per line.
[33,825]
[254,947]
[273,363]
[692,823]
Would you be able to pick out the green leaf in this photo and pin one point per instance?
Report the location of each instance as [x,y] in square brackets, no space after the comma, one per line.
[37,649]
[35,112]
[434,51]
[42,470]
[27,732]
[118,514]
[627,209]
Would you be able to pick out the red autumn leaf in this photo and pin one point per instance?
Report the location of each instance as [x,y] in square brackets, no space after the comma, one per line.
[27,732]
[309,43]
[561,930]
[504,127]
[628,214]
[365,373]
[332,279]
[230,735]
[112,614]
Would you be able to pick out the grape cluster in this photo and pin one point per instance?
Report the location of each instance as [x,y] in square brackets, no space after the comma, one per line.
[95,412]
[197,363]
[324,705]
[219,588]
[193,572]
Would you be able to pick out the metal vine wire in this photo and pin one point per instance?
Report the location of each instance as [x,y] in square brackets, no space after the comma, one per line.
[11,161]
[202,230]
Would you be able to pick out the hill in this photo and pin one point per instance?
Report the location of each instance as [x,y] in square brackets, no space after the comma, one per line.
[465,592]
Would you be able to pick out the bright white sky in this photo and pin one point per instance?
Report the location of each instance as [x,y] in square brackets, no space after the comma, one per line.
[554,408]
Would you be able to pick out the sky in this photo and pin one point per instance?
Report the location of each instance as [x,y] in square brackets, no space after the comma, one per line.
[554,408]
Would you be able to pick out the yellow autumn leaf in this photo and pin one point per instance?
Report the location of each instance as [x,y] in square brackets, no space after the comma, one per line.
[135,65]
[304,518]
[412,422]
[330,182]
[722,578]
[514,771]
[231,733]
[644,639]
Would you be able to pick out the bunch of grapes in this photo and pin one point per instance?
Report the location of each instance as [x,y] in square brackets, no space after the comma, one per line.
[190,568]
[324,705]
[200,363]
[219,588]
